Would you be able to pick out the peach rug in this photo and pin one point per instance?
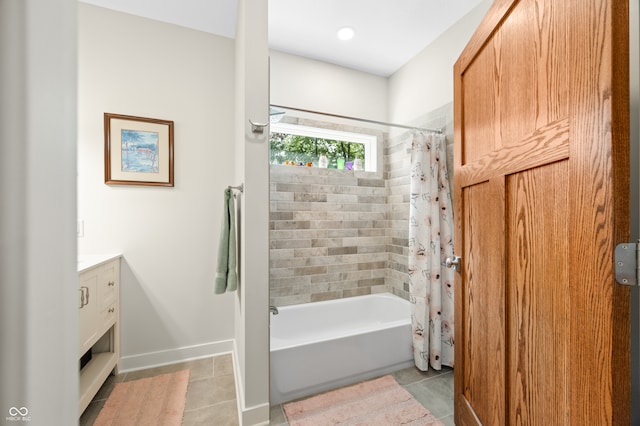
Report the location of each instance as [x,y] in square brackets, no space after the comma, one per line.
[153,401]
[376,402]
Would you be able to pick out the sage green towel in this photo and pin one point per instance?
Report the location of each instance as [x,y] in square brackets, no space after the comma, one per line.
[226,276]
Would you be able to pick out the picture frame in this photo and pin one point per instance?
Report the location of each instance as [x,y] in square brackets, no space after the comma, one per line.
[138,150]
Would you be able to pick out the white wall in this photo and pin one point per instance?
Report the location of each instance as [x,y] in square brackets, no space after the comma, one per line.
[318,86]
[426,82]
[168,236]
[38,282]
[252,160]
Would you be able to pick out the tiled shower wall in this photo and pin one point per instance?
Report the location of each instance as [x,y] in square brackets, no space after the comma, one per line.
[397,176]
[342,233]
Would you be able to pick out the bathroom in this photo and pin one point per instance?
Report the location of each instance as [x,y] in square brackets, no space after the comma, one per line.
[168,235]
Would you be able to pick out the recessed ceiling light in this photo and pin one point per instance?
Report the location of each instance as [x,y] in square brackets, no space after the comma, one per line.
[346,33]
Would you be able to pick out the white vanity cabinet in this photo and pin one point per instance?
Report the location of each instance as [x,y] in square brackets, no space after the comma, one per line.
[99,303]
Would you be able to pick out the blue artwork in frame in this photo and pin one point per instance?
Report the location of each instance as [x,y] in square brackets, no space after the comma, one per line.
[138,150]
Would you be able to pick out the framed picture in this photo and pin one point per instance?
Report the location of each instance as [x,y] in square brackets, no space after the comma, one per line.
[137,151]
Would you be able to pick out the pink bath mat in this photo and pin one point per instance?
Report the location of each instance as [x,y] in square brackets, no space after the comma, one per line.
[153,401]
[376,402]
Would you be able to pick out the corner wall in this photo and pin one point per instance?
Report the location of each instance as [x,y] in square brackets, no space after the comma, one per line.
[38,278]
[426,82]
[168,236]
[420,94]
[252,160]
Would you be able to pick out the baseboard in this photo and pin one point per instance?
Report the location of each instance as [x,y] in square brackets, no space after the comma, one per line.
[247,416]
[172,356]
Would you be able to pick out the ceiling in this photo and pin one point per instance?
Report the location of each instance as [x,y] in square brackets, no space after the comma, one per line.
[388,32]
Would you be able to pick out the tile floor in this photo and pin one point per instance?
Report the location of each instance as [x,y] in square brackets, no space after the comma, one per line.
[211,394]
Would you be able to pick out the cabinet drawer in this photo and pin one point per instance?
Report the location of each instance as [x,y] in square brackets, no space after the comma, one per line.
[109,316]
[108,289]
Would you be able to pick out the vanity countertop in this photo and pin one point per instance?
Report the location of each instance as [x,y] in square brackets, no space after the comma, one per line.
[87,261]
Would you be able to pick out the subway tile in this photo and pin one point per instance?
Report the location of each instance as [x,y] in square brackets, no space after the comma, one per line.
[281,291]
[311,252]
[395,249]
[379,273]
[342,286]
[326,242]
[291,300]
[292,244]
[310,215]
[356,292]
[371,241]
[311,270]
[371,182]
[326,296]
[399,267]
[357,224]
[292,206]
[281,196]
[400,241]
[333,251]
[382,248]
[275,215]
[342,233]
[341,198]
[345,210]
[399,258]
[326,278]
[342,267]
[342,180]
[277,273]
[289,281]
[310,197]
[287,263]
[370,282]
[326,224]
[324,260]
[291,224]
[288,234]
[371,265]
[372,199]
[399,215]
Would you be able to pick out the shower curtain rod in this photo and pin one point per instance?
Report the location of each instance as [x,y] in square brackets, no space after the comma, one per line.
[366,120]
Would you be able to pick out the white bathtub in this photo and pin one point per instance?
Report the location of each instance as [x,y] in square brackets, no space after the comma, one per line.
[323,345]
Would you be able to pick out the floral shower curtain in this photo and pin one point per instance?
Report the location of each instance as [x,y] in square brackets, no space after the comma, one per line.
[430,243]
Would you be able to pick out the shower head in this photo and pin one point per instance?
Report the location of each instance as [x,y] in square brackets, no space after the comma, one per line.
[275,115]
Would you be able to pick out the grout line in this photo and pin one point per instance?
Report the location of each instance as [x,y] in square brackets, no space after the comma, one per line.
[210,405]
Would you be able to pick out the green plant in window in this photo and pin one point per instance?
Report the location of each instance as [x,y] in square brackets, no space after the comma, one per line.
[303,149]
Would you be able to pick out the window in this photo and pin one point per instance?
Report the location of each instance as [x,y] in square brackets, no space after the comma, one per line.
[302,144]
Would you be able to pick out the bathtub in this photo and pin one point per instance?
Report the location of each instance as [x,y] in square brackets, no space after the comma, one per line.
[324,345]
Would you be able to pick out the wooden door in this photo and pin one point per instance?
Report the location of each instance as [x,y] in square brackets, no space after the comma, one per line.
[541,200]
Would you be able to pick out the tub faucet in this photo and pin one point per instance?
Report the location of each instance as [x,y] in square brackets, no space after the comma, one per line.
[273,310]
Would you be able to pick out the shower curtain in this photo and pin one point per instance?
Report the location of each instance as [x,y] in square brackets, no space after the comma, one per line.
[430,243]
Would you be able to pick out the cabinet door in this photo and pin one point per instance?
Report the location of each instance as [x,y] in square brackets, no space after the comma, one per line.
[89,308]
[108,295]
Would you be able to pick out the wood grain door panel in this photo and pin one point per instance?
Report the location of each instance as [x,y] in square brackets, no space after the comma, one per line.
[541,198]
